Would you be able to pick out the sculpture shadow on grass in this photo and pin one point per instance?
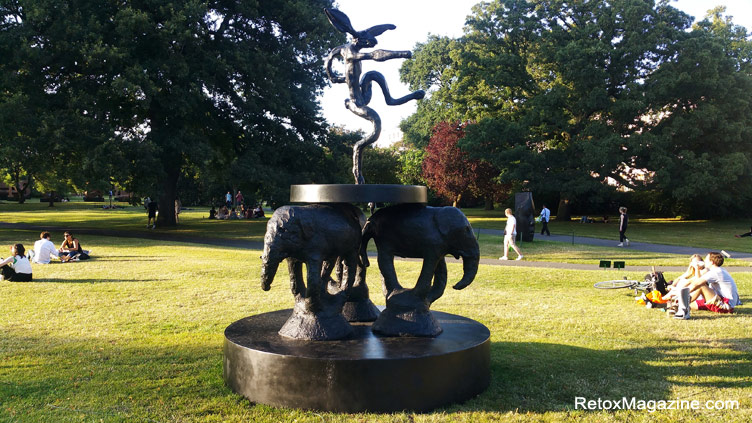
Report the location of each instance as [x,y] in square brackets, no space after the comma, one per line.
[541,377]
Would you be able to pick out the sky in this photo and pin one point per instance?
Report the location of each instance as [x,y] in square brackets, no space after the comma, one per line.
[415,20]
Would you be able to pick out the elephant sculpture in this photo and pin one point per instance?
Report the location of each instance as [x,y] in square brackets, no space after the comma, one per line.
[418,231]
[319,236]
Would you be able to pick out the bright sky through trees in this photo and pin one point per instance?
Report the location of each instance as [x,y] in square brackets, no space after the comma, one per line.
[415,19]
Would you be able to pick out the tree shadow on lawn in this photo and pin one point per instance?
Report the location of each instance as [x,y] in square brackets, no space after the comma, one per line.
[540,377]
[93,280]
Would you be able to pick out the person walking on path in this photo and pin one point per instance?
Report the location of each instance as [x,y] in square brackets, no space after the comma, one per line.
[510,232]
[544,217]
[623,221]
[228,199]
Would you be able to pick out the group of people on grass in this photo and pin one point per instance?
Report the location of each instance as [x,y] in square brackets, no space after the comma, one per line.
[232,214]
[17,267]
[704,286]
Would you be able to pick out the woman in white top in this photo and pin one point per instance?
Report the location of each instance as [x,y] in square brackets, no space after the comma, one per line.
[510,231]
[16,268]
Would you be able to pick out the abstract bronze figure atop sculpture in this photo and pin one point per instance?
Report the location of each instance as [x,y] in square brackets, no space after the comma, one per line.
[360,88]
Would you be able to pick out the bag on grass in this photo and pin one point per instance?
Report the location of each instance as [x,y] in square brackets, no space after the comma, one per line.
[657,282]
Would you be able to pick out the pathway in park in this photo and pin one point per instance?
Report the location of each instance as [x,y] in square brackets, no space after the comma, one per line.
[254,245]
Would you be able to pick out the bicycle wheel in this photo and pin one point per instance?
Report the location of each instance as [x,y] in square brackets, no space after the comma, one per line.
[615,284]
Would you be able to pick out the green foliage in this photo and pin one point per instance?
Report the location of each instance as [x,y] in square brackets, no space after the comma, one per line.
[139,92]
[573,96]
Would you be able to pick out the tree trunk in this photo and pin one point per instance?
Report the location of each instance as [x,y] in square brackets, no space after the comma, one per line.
[168,194]
[456,202]
[20,195]
[563,213]
[489,203]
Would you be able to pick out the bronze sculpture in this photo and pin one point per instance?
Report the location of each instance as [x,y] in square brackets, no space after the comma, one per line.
[418,231]
[360,88]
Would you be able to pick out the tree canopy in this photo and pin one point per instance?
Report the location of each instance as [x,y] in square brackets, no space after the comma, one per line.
[139,91]
[587,97]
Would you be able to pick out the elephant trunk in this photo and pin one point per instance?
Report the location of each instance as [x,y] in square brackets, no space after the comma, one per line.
[268,270]
[470,268]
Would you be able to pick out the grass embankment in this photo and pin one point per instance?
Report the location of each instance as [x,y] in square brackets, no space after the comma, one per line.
[136,335]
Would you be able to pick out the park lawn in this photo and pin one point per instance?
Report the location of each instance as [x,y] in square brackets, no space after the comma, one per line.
[707,234]
[195,225]
[136,335]
[491,247]
[194,222]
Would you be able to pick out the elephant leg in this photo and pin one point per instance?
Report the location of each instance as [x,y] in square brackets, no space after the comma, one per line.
[426,275]
[297,286]
[439,282]
[386,265]
[351,265]
[313,291]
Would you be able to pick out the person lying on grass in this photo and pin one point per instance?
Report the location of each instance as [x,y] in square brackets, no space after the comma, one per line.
[716,286]
[16,268]
[695,270]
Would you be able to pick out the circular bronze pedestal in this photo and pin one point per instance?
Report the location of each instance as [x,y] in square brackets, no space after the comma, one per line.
[362,373]
[351,193]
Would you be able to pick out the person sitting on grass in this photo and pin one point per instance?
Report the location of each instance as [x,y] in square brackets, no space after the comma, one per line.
[258,211]
[716,286]
[695,270]
[71,249]
[44,250]
[16,268]
[223,213]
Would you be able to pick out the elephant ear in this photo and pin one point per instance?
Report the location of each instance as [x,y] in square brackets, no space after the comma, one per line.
[377,30]
[306,226]
[444,220]
[340,21]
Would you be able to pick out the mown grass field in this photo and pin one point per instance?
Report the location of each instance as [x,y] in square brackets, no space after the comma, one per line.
[706,235]
[135,335]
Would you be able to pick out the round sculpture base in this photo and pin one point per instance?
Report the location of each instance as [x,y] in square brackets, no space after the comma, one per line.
[364,372]
[351,193]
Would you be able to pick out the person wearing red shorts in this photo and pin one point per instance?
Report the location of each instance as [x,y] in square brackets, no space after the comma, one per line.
[716,286]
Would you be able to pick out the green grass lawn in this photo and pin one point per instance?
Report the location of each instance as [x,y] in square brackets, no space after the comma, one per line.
[193,223]
[136,335]
[710,234]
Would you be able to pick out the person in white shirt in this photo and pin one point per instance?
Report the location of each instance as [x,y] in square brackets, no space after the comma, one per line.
[717,287]
[16,268]
[44,249]
[544,218]
[510,231]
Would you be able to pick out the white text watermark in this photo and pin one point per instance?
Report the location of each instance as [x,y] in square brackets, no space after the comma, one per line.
[624,403]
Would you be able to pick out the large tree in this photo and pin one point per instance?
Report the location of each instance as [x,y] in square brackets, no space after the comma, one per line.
[557,87]
[224,85]
[452,173]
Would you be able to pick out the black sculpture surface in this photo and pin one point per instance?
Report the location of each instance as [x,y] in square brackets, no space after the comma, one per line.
[410,358]
[360,88]
[524,212]
[418,231]
[319,236]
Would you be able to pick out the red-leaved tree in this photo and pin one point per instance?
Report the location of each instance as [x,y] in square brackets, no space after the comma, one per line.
[451,173]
